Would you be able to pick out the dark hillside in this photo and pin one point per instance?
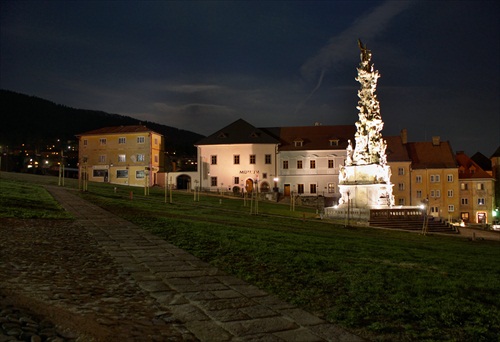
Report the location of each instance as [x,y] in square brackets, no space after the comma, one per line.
[32,120]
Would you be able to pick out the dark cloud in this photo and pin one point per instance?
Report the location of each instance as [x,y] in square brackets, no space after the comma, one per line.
[200,65]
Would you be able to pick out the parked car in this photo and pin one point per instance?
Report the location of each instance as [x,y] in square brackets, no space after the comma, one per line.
[495,225]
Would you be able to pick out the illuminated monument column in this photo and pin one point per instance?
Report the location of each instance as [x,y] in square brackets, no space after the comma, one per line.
[364,181]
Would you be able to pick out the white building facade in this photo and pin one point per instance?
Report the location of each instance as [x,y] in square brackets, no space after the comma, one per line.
[239,157]
[302,161]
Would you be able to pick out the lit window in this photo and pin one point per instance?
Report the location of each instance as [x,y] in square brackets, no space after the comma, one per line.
[331,188]
[463,186]
[140,157]
[480,201]
[480,186]
[122,158]
[139,174]
[121,173]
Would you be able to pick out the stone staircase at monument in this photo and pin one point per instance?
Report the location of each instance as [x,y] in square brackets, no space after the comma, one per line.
[413,224]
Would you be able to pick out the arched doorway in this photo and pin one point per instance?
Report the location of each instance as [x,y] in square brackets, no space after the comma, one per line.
[265,187]
[249,185]
[183,182]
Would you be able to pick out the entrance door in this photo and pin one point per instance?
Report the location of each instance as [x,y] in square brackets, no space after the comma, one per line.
[481,217]
[249,185]
[287,190]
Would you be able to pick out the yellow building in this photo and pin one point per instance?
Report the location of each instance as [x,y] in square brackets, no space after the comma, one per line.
[128,155]
[434,178]
[477,191]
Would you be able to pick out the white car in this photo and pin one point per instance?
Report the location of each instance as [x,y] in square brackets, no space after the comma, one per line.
[495,225]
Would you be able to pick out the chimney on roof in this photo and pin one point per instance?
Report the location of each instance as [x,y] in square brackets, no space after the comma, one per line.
[404,136]
[436,140]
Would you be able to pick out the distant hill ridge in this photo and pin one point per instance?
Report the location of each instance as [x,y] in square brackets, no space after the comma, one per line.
[32,120]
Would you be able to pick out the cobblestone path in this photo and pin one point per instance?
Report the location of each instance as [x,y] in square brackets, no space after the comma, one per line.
[102,278]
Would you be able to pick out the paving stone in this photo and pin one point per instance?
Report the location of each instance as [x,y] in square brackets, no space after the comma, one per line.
[259,311]
[188,313]
[153,285]
[249,290]
[301,317]
[230,303]
[273,302]
[228,315]
[298,335]
[260,325]
[226,294]
[208,331]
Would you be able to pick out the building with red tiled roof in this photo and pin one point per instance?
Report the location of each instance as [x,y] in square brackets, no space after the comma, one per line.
[129,155]
[477,191]
[434,178]
[310,157]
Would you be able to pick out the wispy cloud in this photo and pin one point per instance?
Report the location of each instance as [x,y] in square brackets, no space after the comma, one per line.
[341,47]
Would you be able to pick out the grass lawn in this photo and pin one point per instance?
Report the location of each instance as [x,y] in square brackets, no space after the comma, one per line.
[20,199]
[381,284]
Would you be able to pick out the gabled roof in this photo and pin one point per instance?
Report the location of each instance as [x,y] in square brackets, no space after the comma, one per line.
[314,137]
[239,132]
[396,151]
[119,130]
[428,155]
[468,168]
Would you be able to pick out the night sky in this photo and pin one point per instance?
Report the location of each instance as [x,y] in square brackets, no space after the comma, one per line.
[200,66]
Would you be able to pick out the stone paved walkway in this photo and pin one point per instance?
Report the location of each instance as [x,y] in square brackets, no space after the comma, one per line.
[168,293]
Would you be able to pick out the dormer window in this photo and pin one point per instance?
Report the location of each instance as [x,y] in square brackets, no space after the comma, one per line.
[334,142]
[298,142]
[254,135]
[222,135]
